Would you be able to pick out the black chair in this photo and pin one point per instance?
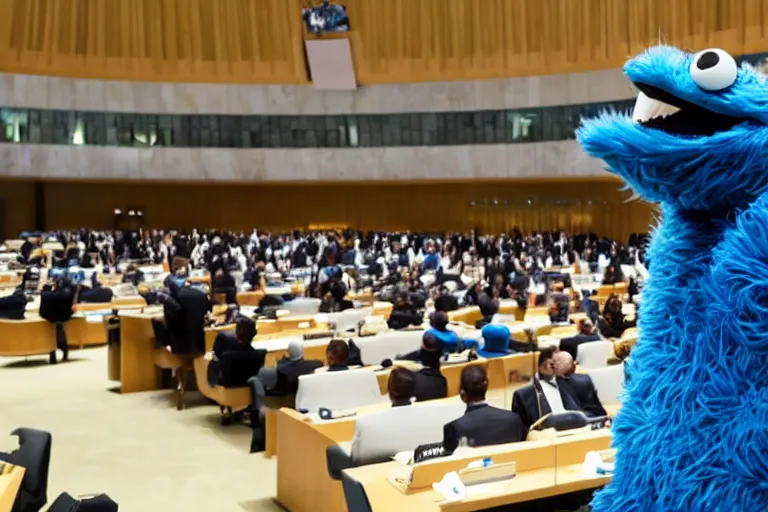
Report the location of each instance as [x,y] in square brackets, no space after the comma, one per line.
[98,503]
[34,455]
[354,494]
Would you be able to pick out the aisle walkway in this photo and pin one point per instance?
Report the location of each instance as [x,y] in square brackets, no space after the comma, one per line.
[137,448]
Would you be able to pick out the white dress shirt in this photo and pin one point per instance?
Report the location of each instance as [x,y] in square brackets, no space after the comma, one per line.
[552,394]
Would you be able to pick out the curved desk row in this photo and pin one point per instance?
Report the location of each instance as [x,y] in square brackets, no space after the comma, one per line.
[303,479]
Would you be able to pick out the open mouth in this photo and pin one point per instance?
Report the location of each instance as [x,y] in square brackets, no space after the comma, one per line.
[660,110]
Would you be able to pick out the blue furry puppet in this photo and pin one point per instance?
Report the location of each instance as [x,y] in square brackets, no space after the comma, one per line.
[691,435]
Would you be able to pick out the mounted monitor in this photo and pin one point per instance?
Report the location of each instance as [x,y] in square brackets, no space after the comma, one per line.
[326,17]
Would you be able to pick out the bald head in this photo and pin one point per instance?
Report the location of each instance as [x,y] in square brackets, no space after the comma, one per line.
[563,363]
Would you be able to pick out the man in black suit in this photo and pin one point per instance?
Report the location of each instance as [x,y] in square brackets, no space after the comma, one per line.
[586,334]
[291,367]
[580,384]
[546,394]
[237,341]
[56,301]
[185,312]
[12,306]
[430,383]
[482,424]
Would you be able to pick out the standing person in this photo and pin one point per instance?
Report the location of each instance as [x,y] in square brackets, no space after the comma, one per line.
[56,302]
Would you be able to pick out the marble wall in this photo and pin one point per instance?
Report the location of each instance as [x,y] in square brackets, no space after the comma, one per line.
[563,159]
[181,98]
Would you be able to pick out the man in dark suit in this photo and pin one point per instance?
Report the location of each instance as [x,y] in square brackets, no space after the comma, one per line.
[580,384]
[238,341]
[56,301]
[291,367]
[430,383]
[546,394]
[482,424]
[586,333]
[12,306]
[185,312]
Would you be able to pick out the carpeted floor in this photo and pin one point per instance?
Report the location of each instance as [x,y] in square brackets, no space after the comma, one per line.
[137,448]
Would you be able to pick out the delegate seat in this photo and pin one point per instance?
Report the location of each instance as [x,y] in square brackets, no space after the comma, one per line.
[594,354]
[381,435]
[609,383]
[338,390]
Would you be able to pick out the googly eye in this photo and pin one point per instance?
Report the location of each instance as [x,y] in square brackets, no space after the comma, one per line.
[713,69]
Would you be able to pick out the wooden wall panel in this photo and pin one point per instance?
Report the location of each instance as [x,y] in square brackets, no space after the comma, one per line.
[573,206]
[155,40]
[437,40]
[392,40]
[18,198]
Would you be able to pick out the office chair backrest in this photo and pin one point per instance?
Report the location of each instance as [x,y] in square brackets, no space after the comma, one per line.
[97,503]
[34,455]
[594,354]
[609,383]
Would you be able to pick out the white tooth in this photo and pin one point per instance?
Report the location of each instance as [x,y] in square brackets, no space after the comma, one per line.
[648,108]
[635,196]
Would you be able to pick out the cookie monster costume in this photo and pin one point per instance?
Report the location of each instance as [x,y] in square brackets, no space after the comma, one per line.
[691,434]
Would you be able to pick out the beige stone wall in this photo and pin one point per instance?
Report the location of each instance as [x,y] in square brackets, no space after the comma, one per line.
[562,159]
[180,98]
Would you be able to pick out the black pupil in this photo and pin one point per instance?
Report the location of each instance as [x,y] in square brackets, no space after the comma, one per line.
[707,60]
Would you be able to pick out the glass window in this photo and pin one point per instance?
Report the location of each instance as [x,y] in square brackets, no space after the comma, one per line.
[14,125]
[288,131]
[521,126]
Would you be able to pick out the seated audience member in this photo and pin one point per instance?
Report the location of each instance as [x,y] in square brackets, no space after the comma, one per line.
[404,313]
[12,306]
[496,339]
[559,311]
[482,424]
[612,274]
[445,301]
[473,295]
[439,328]
[586,333]
[430,383]
[237,341]
[96,294]
[56,301]
[291,367]
[224,283]
[581,384]
[590,306]
[133,275]
[546,394]
[488,308]
[401,386]
[337,353]
[612,324]
[339,293]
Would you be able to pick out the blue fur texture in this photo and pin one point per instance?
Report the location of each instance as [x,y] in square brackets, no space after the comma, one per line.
[692,432]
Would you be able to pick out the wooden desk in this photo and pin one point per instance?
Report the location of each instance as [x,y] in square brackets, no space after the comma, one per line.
[544,469]
[250,298]
[9,488]
[28,337]
[137,344]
